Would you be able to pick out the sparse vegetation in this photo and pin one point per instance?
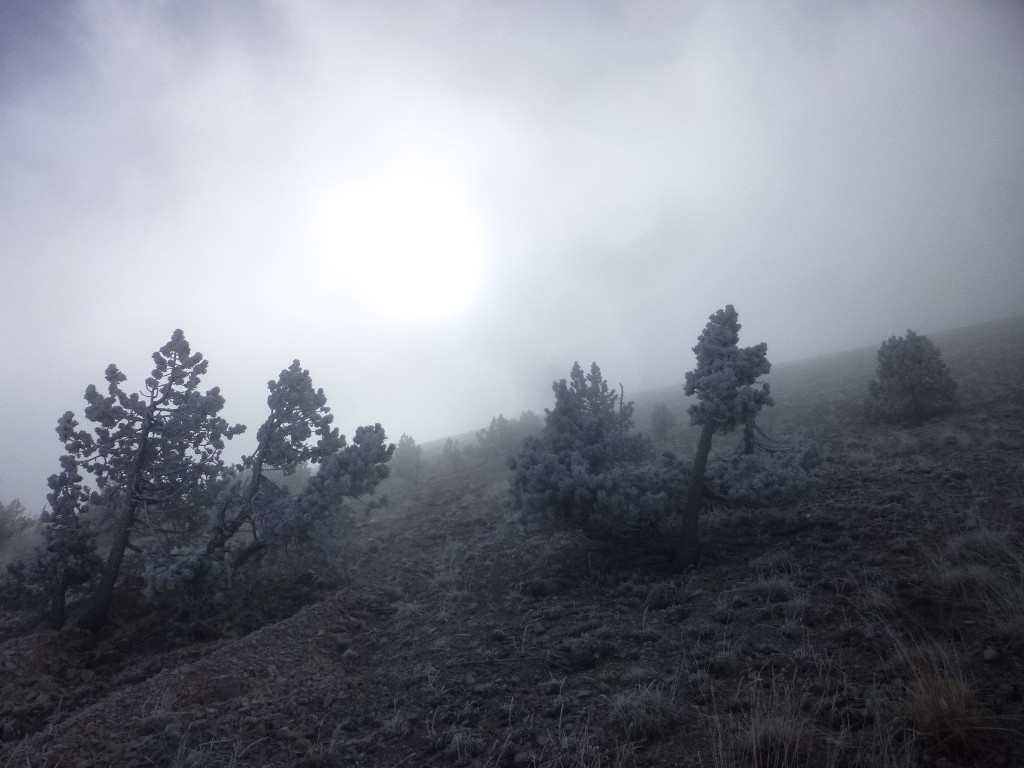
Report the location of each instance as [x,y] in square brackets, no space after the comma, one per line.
[874,623]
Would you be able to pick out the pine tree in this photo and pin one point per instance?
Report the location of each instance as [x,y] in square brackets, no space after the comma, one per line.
[255,514]
[297,412]
[727,397]
[913,382]
[583,469]
[156,453]
[69,556]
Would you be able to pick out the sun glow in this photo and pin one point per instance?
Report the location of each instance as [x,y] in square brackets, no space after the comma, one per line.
[404,240]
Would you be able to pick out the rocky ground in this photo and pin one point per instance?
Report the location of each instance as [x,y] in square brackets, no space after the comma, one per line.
[878,622]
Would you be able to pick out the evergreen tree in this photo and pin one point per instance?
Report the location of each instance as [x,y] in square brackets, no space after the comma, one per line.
[583,470]
[69,556]
[254,513]
[727,396]
[297,412]
[913,382]
[157,454]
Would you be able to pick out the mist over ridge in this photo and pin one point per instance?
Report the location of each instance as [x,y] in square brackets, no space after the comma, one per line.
[588,182]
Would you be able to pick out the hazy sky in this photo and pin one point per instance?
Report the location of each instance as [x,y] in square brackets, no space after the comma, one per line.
[439,206]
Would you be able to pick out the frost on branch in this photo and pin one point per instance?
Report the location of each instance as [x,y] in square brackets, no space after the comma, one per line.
[765,479]
[254,515]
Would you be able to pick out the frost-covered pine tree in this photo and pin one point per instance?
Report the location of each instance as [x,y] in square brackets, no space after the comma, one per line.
[297,412]
[728,396]
[594,420]
[584,469]
[913,382]
[154,455]
[254,514]
[68,557]
[351,473]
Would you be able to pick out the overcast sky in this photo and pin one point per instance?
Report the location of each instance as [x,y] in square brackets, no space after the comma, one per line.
[439,206]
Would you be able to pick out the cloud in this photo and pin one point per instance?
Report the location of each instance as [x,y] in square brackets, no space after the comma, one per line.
[838,172]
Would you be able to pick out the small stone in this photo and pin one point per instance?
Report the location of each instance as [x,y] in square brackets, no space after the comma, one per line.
[990,654]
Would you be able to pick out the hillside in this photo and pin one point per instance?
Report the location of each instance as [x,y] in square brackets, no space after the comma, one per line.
[879,622]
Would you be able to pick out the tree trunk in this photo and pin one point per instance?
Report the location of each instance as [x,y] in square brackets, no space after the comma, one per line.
[246,552]
[95,615]
[748,436]
[224,529]
[689,540]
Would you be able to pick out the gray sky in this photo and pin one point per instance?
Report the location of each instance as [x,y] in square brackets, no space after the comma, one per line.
[439,206]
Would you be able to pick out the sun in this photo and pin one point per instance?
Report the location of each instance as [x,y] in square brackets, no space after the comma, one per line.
[407,240]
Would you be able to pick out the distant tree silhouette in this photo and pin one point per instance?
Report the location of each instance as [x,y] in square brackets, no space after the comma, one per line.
[13,522]
[407,459]
[913,382]
[663,422]
[453,454]
[504,437]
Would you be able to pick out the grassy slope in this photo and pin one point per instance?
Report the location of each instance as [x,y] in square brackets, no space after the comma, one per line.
[886,628]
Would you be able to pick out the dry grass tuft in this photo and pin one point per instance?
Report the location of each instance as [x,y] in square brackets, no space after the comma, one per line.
[644,711]
[775,731]
[936,708]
